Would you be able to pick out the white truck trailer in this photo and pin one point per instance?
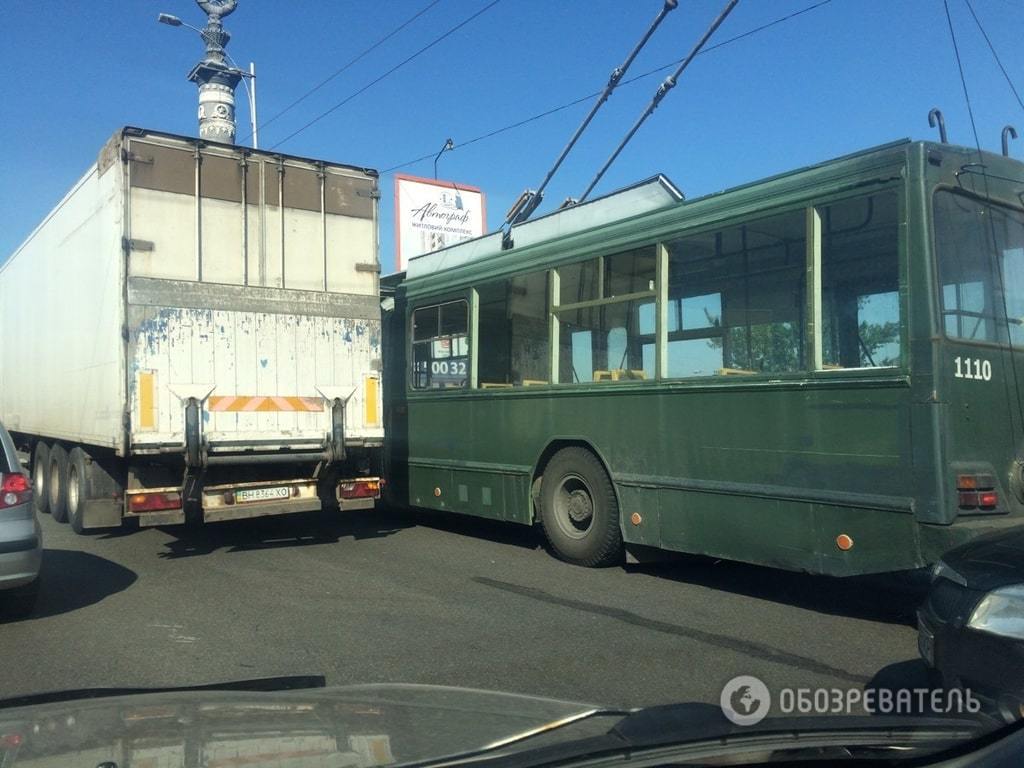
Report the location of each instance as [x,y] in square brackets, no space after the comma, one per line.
[194,333]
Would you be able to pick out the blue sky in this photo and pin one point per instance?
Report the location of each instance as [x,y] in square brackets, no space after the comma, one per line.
[844,76]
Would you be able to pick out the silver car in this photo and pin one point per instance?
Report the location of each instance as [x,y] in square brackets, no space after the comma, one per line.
[21,540]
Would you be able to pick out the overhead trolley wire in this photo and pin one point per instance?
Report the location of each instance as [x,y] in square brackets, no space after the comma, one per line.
[627,81]
[388,73]
[351,62]
[963,79]
[613,81]
[995,55]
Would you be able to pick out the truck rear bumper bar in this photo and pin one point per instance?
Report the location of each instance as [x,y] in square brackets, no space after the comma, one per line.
[261,509]
[275,448]
[237,501]
[290,457]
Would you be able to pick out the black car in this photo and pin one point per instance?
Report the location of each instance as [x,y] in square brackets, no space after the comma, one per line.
[971,626]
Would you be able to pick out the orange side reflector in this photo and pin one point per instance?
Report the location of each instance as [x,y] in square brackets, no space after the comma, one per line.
[147,400]
[371,401]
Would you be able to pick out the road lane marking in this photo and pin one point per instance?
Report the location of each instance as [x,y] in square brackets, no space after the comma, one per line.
[175,634]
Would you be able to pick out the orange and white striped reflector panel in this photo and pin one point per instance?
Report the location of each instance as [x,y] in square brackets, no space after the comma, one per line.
[263,404]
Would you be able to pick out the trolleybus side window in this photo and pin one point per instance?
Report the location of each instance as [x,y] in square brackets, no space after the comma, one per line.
[513,350]
[605,315]
[440,346]
[736,299]
[860,282]
[980,250]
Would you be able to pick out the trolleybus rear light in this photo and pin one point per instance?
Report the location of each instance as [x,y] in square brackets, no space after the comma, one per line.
[979,499]
[968,499]
[975,482]
[966,482]
[977,491]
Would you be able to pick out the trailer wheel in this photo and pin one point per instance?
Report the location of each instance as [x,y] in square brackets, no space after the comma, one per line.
[78,487]
[40,473]
[579,512]
[58,483]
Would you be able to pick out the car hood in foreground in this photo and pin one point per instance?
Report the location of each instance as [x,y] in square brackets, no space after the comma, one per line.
[359,726]
[256,724]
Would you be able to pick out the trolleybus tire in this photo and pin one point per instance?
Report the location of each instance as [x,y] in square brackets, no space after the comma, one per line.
[578,509]
[40,477]
[57,483]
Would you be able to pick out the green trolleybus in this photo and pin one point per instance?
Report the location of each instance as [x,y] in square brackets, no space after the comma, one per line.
[820,371]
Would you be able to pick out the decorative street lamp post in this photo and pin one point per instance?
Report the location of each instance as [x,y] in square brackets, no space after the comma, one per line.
[216,79]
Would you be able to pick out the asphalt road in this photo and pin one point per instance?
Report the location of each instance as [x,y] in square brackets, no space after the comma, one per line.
[401,597]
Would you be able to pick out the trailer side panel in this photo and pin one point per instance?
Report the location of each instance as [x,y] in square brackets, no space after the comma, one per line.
[61,318]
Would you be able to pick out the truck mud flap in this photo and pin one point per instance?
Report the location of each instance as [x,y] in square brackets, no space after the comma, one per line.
[101,513]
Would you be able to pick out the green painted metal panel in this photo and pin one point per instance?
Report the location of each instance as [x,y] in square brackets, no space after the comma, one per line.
[766,468]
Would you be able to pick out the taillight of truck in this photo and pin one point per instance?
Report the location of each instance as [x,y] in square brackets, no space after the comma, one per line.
[153,501]
[359,489]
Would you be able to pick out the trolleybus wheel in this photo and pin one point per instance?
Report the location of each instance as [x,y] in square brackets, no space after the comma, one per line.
[578,510]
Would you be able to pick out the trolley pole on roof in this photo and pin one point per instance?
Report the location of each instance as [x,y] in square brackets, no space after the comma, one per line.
[613,81]
[663,89]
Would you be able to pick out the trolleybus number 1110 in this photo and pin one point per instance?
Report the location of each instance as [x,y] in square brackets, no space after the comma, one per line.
[973,368]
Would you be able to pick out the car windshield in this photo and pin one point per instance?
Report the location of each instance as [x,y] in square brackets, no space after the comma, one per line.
[448,381]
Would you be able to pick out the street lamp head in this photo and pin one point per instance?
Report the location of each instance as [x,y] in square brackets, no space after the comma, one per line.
[169,20]
[217,8]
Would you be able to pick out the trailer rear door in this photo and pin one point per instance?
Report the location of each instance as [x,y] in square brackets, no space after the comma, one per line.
[263,312]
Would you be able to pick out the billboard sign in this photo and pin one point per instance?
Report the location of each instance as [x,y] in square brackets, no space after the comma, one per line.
[432,214]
